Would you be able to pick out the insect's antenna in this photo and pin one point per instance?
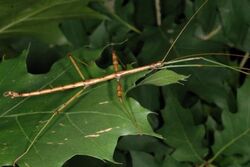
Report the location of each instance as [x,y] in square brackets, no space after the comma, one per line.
[169,64]
[182,30]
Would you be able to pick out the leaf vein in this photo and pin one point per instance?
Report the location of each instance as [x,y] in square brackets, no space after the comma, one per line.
[33,14]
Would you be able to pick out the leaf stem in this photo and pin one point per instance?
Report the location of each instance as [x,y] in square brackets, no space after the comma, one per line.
[228,144]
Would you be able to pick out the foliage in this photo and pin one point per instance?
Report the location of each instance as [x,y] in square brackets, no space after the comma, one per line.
[194,116]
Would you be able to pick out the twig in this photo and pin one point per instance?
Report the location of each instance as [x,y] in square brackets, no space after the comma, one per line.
[158,12]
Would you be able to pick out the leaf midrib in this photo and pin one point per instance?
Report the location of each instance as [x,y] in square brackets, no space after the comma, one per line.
[188,140]
[33,14]
[229,143]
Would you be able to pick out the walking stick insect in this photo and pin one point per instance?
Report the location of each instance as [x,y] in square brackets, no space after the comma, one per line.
[116,75]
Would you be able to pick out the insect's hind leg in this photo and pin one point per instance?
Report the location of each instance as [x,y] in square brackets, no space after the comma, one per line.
[71,99]
[115,61]
[76,66]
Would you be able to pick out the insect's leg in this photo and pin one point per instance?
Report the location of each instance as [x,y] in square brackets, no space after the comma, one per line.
[76,66]
[71,99]
[115,62]
[58,110]
[64,105]
[119,90]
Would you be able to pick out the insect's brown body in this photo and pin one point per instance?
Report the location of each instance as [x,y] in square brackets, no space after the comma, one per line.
[84,83]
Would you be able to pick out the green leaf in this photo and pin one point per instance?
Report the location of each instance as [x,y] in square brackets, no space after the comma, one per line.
[235,24]
[99,37]
[147,95]
[154,47]
[108,31]
[163,77]
[75,32]
[143,159]
[90,125]
[234,161]
[107,9]
[181,133]
[40,18]
[212,85]
[86,59]
[170,161]
[145,14]
[235,137]
[143,144]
